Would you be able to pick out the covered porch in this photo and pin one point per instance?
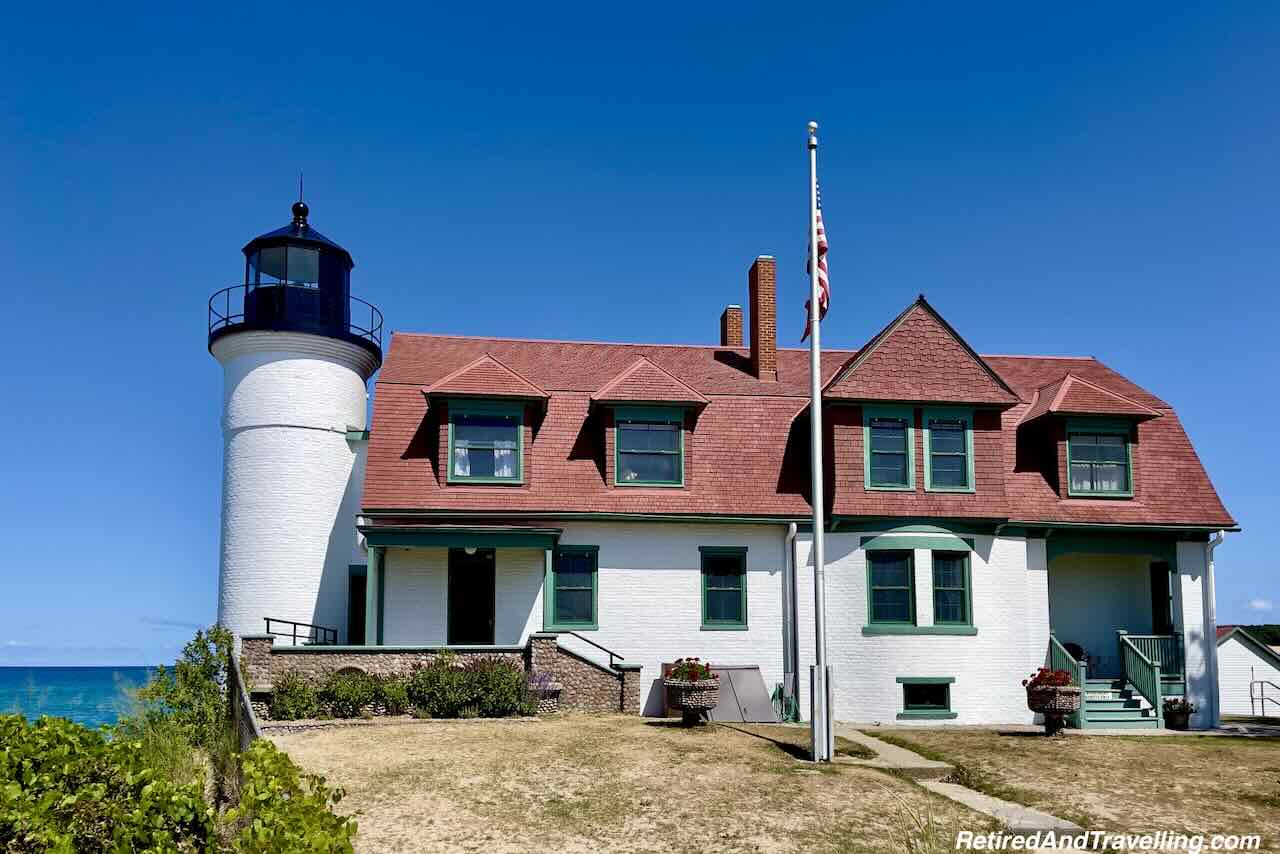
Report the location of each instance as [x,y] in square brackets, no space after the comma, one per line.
[1116,624]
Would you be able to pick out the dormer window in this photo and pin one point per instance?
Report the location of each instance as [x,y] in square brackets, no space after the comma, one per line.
[889,441]
[485,442]
[650,446]
[948,450]
[1099,460]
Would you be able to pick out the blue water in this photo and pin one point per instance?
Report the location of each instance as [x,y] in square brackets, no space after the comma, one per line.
[87,695]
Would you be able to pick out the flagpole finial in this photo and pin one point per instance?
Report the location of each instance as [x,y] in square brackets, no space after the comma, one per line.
[813,127]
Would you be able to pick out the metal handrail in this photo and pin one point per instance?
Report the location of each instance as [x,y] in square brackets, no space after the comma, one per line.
[612,654]
[1262,697]
[227,309]
[316,636]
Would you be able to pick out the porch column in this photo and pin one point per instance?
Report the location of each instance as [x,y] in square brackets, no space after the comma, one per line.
[373,598]
[548,619]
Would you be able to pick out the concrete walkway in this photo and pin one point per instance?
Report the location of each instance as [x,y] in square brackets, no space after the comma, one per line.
[930,773]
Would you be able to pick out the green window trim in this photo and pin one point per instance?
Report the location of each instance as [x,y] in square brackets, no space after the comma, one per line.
[879,629]
[948,414]
[1096,427]
[871,557]
[550,618]
[503,408]
[901,413]
[647,415]
[731,625]
[966,588]
[933,703]
[944,542]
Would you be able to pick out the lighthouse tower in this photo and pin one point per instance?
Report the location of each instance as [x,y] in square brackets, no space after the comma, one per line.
[297,351]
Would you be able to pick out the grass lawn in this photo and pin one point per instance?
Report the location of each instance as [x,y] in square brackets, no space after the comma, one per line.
[1202,784]
[577,783]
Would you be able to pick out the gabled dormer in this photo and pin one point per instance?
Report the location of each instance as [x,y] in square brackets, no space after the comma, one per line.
[485,412]
[649,416]
[919,409]
[1089,433]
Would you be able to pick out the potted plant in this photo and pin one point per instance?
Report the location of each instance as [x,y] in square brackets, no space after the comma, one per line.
[693,689]
[545,692]
[1177,711]
[1050,693]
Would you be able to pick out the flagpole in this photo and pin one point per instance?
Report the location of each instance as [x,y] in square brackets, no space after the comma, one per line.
[820,691]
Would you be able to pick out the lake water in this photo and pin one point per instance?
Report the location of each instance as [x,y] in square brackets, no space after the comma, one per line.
[87,695]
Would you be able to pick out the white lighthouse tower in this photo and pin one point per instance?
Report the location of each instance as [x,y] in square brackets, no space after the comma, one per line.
[297,351]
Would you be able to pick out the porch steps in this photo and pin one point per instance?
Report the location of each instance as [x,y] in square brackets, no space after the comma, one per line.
[1114,704]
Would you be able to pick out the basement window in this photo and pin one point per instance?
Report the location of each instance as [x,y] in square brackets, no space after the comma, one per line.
[925,697]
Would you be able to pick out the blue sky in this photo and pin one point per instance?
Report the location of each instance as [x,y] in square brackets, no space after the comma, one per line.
[1095,180]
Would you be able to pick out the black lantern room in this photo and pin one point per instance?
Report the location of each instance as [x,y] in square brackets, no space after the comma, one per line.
[296,280]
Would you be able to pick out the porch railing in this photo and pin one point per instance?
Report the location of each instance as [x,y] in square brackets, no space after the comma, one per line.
[1141,672]
[302,633]
[1060,659]
[1166,649]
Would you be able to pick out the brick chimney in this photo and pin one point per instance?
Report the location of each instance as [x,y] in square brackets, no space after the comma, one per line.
[731,326]
[762,290]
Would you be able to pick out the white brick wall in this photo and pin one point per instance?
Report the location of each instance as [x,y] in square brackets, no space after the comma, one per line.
[1199,647]
[1009,608]
[290,484]
[1238,665]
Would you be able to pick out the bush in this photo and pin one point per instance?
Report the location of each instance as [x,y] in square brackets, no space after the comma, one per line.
[193,694]
[293,698]
[347,694]
[480,687]
[284,810]
[393,692]
[66,789]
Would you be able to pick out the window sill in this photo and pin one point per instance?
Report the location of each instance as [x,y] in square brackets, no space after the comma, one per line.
[712,627]
[1120,495]
[485,481]
[911,487]
[891,629]
[922,715]
[563,627]
[959,490]
[634,484]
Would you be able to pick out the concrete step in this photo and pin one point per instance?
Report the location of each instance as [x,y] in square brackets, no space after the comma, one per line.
[1119,703]
[1099,716]
[1143,723]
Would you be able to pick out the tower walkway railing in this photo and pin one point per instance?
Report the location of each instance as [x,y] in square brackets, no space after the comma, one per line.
[294,307]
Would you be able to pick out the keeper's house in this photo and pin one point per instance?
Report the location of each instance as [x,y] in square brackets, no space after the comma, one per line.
[611,507]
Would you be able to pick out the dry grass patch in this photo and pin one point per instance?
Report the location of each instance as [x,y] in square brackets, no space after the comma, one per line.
[588,783]
[1205,784]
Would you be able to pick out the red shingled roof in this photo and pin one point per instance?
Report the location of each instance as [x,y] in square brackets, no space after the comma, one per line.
[747,447]
[1071,395]
[919,358]
[485,377]
[645,382]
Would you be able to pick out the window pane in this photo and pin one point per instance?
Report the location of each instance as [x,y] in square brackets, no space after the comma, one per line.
[661,468]
[487,430]
[888,469]
[1082,477]
[889,569]
[304,264]
[573,606]
[1110,477]
[948,571]
[892,606]
[724,605]
[889,434]
[482,462]
[925,696]
[949,471]
[948,606]
[271,263]
[648,437]
[1084,447]
[947,437]
[1111,448]
[573,572]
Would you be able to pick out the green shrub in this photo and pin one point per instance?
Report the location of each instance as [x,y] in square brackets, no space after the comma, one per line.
[480,687]
[393,693]
[193,694]
[66,789]
[293,697]
[284,810]
[347,694]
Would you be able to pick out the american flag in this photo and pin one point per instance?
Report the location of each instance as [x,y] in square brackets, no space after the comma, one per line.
[824,286]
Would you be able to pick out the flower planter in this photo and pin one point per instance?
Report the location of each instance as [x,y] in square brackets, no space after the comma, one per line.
[693,699]
[1055,702]
[1176,720]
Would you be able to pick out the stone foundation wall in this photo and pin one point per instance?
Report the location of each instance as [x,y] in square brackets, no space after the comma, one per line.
[587,686]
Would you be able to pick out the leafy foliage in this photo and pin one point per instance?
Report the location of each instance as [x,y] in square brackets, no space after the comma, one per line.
[479,687]
[1046,678]
[193,694]
[394,694]
[66,789]
[691,670]
[284,810]
[348,694]
[293,697]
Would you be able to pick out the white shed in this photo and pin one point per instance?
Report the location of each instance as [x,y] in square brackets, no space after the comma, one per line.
[1248,675]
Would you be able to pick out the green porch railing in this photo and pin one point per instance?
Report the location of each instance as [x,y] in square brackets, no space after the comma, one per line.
[1060,659]
[1141,672]
[1166,649]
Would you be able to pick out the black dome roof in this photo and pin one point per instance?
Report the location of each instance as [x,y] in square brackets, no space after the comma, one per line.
[297,233]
